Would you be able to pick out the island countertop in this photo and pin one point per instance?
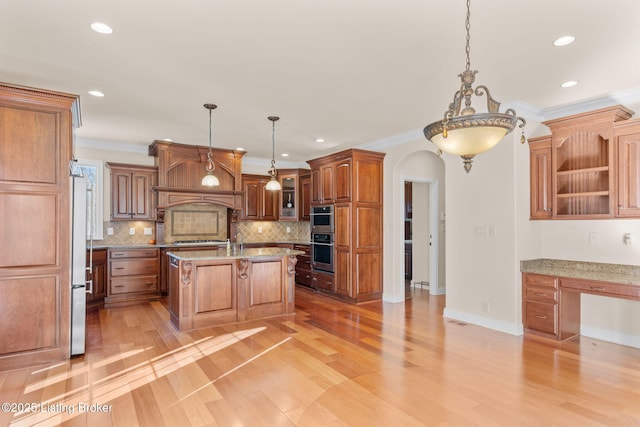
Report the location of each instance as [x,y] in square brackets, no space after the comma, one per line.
[221,253]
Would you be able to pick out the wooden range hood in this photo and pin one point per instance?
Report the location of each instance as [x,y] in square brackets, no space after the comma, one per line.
[180,171]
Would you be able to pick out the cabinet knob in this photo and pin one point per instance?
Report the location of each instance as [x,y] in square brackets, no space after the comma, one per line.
[540,316]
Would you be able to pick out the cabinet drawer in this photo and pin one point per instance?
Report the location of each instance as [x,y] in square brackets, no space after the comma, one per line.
[531,279]
[546,294]
[323,281]
[541,317]
[304,278]
[134,253]
[131,267]
[134,284]
[601,288]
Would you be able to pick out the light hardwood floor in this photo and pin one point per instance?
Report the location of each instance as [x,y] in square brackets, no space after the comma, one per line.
[331,364]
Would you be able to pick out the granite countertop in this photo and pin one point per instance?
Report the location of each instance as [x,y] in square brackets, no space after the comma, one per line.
[185,247]
[214,254]
[615,273]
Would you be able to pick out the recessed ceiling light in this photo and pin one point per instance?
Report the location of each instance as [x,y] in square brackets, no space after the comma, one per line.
[285,154]
[240,149]
[570,83]
[101,28]
[96,93]
[168,139]
[319,140]
[564,40]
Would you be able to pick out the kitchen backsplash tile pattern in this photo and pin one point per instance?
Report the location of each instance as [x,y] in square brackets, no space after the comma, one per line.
[121,234]
[272,231]
[251,231]
[195,222]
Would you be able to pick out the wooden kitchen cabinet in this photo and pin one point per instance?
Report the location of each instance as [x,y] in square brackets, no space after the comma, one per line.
[305,196]
[131,195]
[303,266]
[540,304]
[591,160]
[628,149]
[540,174]
[133,276]
[356,190]
[259,204]
[37,127]
[97,290]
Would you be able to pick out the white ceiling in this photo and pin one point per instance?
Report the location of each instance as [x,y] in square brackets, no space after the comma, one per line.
[349,71]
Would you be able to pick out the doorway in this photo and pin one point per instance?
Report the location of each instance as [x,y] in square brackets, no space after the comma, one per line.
[422,250]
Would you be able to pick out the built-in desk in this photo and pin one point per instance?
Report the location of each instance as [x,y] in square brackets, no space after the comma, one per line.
[551,292]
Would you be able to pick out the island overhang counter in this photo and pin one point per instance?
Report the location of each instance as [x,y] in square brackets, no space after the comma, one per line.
[214,287]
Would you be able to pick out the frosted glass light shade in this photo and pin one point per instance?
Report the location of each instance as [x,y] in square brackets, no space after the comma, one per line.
[471,140]
[273,184]
[210,180]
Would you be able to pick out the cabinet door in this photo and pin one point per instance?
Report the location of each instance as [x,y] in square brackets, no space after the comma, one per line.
[541,199]
[343,181]
[269,203]
[327,176]
[120,195]
[141,196]
[252,205]
[305,198]
[289,198]
[316,186]
[629,175]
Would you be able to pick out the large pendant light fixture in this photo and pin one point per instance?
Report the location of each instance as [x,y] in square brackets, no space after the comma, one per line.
[465,132]
[273,184]
[210,180]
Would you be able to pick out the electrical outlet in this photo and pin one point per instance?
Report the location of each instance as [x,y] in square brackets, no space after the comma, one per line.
[132,231]
[148,231]
[109,231]
[259,230]
[593,237]
[288,229]
[485,306]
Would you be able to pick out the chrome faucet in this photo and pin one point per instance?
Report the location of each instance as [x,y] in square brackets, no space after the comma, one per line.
[239,241]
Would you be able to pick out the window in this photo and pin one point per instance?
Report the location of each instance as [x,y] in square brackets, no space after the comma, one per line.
[93,171]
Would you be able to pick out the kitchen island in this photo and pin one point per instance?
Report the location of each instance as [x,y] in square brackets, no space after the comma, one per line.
[215,287]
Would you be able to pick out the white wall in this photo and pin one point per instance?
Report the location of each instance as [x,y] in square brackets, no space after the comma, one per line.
[412,161]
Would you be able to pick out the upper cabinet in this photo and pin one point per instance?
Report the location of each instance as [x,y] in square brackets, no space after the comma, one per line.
[131,195]
[289,204]
[260,204]
[587,168]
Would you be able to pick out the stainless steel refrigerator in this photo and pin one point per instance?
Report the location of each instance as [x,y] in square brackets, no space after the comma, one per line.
[78,265]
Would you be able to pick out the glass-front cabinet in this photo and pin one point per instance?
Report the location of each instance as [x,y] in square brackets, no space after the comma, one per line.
[289,199]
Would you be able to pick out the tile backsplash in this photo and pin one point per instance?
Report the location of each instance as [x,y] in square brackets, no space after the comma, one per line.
[274,231]
[251,231]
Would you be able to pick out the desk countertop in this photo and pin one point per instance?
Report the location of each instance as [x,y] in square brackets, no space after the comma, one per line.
[614,273]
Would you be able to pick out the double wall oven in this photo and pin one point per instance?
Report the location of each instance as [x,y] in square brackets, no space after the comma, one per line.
[322,228]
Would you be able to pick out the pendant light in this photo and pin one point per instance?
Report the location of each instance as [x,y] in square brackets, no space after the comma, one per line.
[273,184]
[465,132]
[210,180]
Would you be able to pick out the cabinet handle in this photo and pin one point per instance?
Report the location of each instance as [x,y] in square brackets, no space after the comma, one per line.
[315,279]
[150,253]
[148,267]
[540,294]
[596,288]
[118,268]
[540,316]
[307,276]
[118,286]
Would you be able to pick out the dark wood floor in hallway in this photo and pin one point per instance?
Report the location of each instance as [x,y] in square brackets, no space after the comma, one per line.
[330,364]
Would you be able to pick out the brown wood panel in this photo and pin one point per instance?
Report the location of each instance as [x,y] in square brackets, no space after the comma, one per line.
[129,285]
[29,146]
[368,269]
[629,173]
[369,189]
[342,222]
[214,288]
[305,197]
[130,267]
[368,227]
[540,178]
[266,283]
[30,315]
[343,181]
[31,228]
[542,317]
[343,273]
[328,185]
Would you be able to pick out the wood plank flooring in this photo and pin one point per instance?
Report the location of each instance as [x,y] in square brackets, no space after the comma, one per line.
[330,364]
